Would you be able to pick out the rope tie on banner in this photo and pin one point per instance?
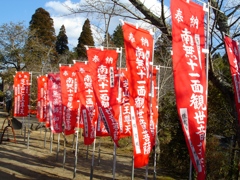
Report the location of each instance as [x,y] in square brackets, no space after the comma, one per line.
[75,61]
[99,47]
[60,65]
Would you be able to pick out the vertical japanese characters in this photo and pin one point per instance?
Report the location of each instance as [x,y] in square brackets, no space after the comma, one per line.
[138,44]
[69,87]
[190,77]
[42,98]
[21,94]
[55,103]
[88,102]
[125,124]
[103,64]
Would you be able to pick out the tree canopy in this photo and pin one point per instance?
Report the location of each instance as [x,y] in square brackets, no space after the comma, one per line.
[85,38]
[62,41]
[42,31]
[42,24]
[13,37]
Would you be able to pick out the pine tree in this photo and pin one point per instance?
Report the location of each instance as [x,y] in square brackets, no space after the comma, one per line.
[85,38]
[117,36]
[42,36]
[108,41]
[42,24]
[62,41]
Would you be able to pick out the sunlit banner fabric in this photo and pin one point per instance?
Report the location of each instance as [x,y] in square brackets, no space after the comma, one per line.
[233,53]
[55,103]
[21,94]
[189,71]
[102,64]
[70,102]
[42,98]
[138,44]
[125,124]
[88,102]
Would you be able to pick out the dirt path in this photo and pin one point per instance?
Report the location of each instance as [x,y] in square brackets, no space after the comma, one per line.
[19,161]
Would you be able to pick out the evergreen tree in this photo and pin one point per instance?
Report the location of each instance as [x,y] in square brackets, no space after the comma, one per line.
[117,36]
[42,23]
[85,38]
[42,32]
[62,41]
[108,41]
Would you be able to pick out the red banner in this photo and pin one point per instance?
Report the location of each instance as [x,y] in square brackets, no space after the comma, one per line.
[21,94]
[233,53]
[101,130]
[102,64]
[125,124]
[55,103]
[88,102]
[189,70]
[42,98]
[70,102]
[138,44]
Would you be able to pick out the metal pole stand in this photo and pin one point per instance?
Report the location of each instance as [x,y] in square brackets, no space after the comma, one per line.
[5,129]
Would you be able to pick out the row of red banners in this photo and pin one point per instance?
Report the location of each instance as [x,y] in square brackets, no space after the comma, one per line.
[101,99]
[105,101]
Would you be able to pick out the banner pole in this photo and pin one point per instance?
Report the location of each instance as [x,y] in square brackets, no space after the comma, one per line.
[156,139]
[99,151]
[45,137]
[132,178]
[51,140]
[87,151]
[207,52]
[146,175]
[114,160]
[74,140]
[93,150]
[119,100]
[28,137]
[190,170]
[76,151]
[64,152]
[151,94]
[29,105]
[24,130]
[58,146]
[76,143]
[64,144]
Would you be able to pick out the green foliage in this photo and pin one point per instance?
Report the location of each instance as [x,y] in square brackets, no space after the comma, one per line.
[217,159]
[220,120]
[85,38]
[174,153]
[62,41]
[221,65]
[42,38]
[117,37]
[162,50]
[12,42]
[107,41]
[1,94]
[42,23]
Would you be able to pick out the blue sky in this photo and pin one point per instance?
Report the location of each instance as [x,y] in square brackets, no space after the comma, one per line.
[22,10]
[19,10]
